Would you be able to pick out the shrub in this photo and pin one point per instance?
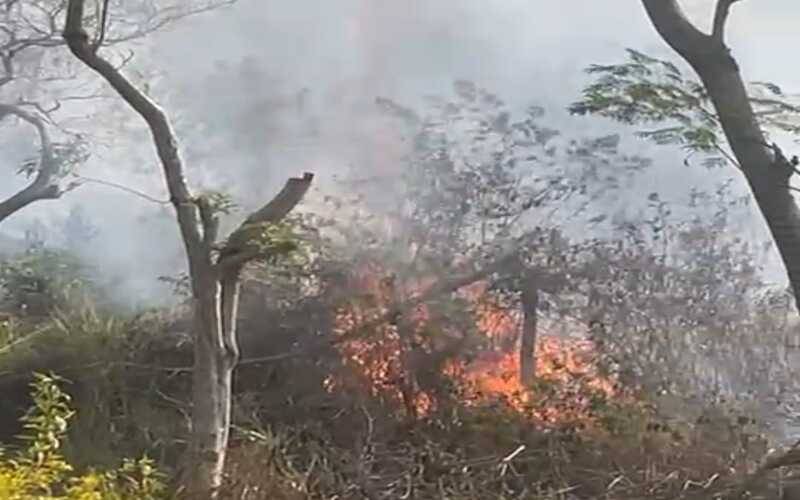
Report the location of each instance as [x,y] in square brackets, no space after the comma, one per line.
[39,471]
[41,280]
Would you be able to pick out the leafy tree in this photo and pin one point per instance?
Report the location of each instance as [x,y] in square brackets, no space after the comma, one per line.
[720,115]
[478,177]
[672,295]
[214,269]
[482,183]
[475,184]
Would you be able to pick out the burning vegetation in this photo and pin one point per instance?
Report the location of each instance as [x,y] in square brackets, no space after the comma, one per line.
[385,354]
[364,318]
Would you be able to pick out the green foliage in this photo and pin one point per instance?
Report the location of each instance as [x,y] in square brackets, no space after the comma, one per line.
[276,240]
[219,202]
[287,254]
[299,274]
[40,280]
[647,90]
[273,241]
[112,361]
[70,339]
[40,471]
[774,108]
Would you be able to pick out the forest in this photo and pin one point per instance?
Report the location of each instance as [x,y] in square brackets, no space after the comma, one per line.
[464,250]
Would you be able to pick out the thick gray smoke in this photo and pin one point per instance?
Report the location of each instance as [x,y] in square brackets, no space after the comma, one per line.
[233,81]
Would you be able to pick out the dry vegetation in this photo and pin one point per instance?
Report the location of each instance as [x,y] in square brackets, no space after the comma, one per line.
[439,330]
[334,419]
[392,370]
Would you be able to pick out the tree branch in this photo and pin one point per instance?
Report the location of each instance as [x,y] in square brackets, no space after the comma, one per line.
[238,250]
[675,28]
[8,68]
[103,27]
[293,191]
[444,286]
[786,458]
[720,19]
[42,187]
[121,187]
[210,221]
[165,17]
[163,135]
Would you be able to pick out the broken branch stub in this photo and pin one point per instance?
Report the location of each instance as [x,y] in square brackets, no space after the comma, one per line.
[242,245]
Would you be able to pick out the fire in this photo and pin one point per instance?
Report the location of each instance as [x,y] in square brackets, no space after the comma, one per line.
[567,364]
[495,322]
[567,377]
[379,361]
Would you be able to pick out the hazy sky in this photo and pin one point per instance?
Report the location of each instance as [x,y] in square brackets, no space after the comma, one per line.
[526,51]
[522,48]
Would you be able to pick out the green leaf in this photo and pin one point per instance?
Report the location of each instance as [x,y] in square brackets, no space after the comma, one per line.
[648,90]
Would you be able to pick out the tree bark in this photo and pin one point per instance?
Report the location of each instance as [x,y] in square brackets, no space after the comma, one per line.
[765,168]
[212,389]
[527,349]
[216,349]
[215,283]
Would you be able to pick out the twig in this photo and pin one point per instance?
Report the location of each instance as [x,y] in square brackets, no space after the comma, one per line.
[103,26]
[122,188]
[787,458]
[728,157]
[8,347]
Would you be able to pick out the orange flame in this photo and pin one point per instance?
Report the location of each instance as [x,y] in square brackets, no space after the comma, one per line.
[565,364]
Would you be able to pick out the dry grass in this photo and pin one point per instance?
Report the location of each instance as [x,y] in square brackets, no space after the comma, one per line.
[485,455]
[306,443]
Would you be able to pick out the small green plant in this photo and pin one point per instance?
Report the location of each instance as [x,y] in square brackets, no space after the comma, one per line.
[39,471]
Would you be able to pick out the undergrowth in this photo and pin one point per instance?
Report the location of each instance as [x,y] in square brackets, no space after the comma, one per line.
[129,391]
[338,446]
[39,471]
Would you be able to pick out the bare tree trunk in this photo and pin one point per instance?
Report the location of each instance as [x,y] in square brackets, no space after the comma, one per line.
[527,349]
[766,169]
[211,395]
[215,282]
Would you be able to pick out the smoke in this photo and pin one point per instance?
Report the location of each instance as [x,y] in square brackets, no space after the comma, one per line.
[233,80]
